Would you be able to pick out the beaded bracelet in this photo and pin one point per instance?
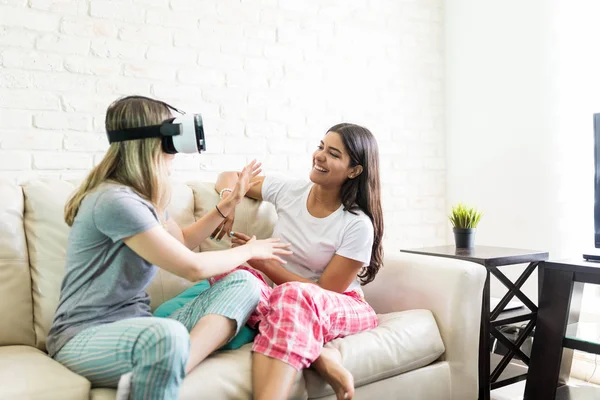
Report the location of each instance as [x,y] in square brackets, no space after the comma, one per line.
[223,192]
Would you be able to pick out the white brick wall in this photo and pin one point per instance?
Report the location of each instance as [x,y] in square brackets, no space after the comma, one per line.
[269,76]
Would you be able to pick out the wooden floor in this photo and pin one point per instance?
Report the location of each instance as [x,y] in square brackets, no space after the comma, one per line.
[515,392]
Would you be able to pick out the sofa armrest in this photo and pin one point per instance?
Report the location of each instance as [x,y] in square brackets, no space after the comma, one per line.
[452,290]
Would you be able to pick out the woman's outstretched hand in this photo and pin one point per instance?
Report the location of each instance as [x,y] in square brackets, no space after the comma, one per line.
[266,249]
[238,239]
[246,180]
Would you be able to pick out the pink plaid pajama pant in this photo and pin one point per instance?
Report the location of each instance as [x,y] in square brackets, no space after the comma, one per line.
[296,319]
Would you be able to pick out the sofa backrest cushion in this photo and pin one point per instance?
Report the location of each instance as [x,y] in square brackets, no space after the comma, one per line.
[47,234]
[251,217]
[16,306]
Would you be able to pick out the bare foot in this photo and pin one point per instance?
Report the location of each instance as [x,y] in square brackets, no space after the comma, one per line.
[329,366]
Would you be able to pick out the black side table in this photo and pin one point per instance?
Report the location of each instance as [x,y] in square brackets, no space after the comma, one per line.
[556,335]
[503,372]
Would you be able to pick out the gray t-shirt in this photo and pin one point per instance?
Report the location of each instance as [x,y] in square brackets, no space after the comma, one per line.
[105,281]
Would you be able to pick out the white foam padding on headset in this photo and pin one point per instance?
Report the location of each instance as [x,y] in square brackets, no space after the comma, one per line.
[186,141]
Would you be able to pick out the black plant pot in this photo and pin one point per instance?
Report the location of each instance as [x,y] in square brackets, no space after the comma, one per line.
[464,237]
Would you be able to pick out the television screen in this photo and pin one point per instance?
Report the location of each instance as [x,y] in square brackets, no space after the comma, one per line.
[595,256]
[597,180]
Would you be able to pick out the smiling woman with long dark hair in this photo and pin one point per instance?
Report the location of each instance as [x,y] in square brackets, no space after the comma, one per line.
[335,224]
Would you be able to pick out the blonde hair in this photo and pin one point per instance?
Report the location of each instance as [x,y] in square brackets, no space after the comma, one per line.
[139,164]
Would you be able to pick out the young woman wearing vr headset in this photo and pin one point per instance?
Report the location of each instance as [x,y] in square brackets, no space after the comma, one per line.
[334,222]
[120,235]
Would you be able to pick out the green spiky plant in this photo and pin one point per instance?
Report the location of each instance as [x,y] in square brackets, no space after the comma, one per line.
[464,217]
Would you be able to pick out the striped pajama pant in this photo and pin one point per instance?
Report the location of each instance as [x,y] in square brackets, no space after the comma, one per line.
[296,319]
[156,350]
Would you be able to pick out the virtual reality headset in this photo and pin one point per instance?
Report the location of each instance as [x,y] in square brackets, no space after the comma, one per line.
[184,134]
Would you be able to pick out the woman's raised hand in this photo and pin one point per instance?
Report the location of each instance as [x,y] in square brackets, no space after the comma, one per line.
[246,180]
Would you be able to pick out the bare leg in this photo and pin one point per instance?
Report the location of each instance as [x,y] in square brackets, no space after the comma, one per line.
[329,366]
[272,379]
[210,332]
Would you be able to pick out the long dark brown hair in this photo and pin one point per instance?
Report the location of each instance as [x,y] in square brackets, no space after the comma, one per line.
[364,191]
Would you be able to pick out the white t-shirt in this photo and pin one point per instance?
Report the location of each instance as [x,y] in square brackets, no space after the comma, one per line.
[316,240]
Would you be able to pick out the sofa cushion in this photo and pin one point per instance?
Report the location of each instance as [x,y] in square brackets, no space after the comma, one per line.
[27,373]
[402,342]
[251,216]
[16,306]
[47,235]
[227,375]
[431,382]
[103,394]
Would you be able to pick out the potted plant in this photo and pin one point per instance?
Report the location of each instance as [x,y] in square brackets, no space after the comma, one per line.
[464,220]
